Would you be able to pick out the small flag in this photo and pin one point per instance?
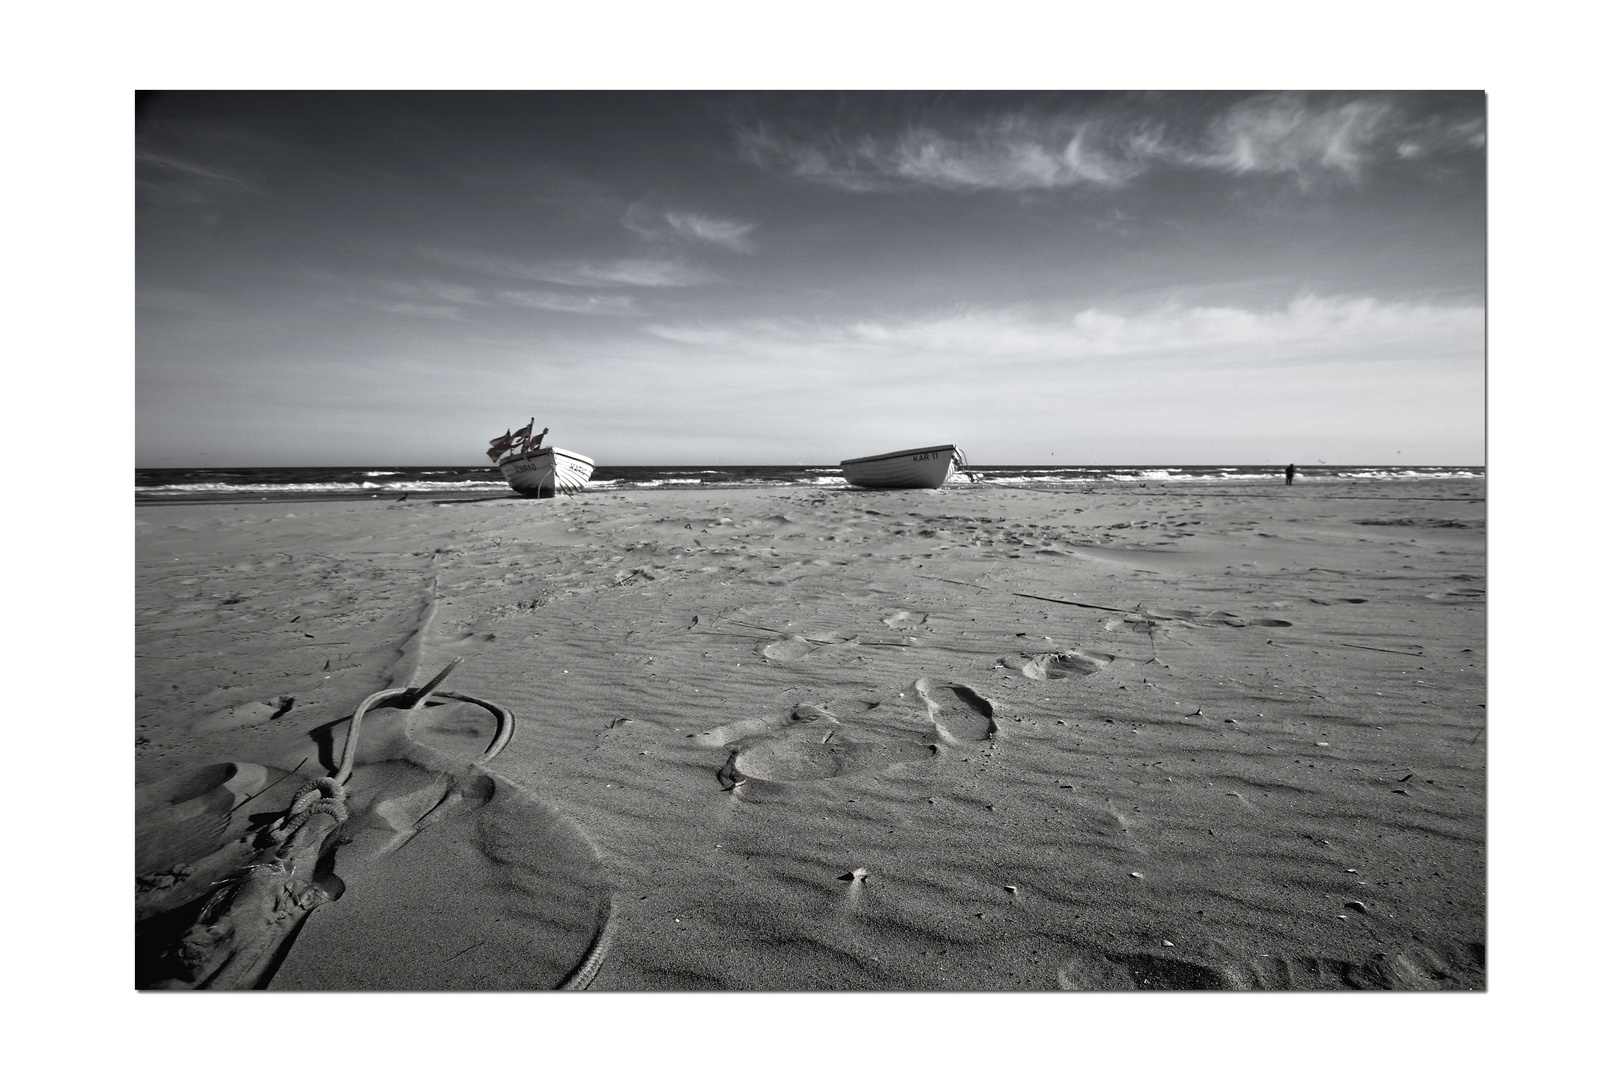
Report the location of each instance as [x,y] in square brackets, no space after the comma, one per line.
[495,452]
[502,441]
[523,432]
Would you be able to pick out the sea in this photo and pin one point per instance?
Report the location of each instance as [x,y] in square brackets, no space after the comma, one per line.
[472,482]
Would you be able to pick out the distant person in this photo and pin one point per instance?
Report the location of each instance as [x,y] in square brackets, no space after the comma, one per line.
[1288,473]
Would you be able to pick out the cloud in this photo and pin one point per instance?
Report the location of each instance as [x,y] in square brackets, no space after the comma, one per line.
[435,290]
[421,311]
[1309,325]
[180,181]
[1009,153]
[641,273]
[574,303]
[1310,328]
[1276,134]
[1282,133]
[1442,136]
[671,225]
[155,298]
[728,234]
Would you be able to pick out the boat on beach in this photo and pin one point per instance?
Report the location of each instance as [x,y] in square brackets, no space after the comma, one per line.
[535,471]
[923,467]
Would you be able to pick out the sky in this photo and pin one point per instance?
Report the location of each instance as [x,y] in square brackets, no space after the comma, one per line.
[352,278]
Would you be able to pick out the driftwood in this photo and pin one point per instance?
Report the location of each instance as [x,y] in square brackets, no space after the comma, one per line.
[252,919]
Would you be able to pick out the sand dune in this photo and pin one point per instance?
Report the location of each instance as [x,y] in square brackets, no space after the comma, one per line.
[1157,737]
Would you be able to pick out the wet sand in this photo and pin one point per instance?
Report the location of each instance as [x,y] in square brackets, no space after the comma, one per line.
[973,739]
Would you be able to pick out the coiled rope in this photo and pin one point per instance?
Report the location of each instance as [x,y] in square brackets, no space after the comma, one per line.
[322,796]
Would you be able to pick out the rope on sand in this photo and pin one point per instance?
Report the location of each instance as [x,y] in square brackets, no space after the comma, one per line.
[322,796]
[585,971]
[327,796]
[413,698]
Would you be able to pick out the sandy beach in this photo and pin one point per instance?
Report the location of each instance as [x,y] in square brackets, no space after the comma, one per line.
[1144,737]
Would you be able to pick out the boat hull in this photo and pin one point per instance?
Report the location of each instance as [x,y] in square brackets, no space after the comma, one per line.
[547,471]
[923,467]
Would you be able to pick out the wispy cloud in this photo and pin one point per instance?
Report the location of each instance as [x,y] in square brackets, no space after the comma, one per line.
[574,303]
[1011,153]
[435,290]
[640,273]
[181,181]
[156,298]
[1310,327]
[672,225]
[1273,134]
[727,234]
[1442,136]
[420,311]
[1282,133]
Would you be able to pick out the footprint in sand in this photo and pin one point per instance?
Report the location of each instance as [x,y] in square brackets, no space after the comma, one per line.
[245,715]
[896,619]
[960,713]
[787,648]
[1072,663]
[813,744]
[184,818]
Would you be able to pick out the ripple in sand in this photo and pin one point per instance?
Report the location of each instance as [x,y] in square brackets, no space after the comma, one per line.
[1109,970]
[960,713]
[1418,967]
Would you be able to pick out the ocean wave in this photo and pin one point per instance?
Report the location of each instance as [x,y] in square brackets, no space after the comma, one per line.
[378,481]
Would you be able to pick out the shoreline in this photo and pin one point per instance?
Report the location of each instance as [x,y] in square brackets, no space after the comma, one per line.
[1214,487]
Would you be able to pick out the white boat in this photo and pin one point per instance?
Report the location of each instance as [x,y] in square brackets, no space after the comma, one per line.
[924,467]
[535,471]
[542,473]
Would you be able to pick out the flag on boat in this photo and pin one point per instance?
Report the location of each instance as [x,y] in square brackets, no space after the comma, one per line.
[523,432]
[501,442]
[495,452]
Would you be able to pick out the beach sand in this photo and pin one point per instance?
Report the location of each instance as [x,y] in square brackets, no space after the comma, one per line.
[1157,737]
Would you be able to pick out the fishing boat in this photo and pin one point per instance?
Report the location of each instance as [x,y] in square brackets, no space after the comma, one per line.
[924,467]
[536,471]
